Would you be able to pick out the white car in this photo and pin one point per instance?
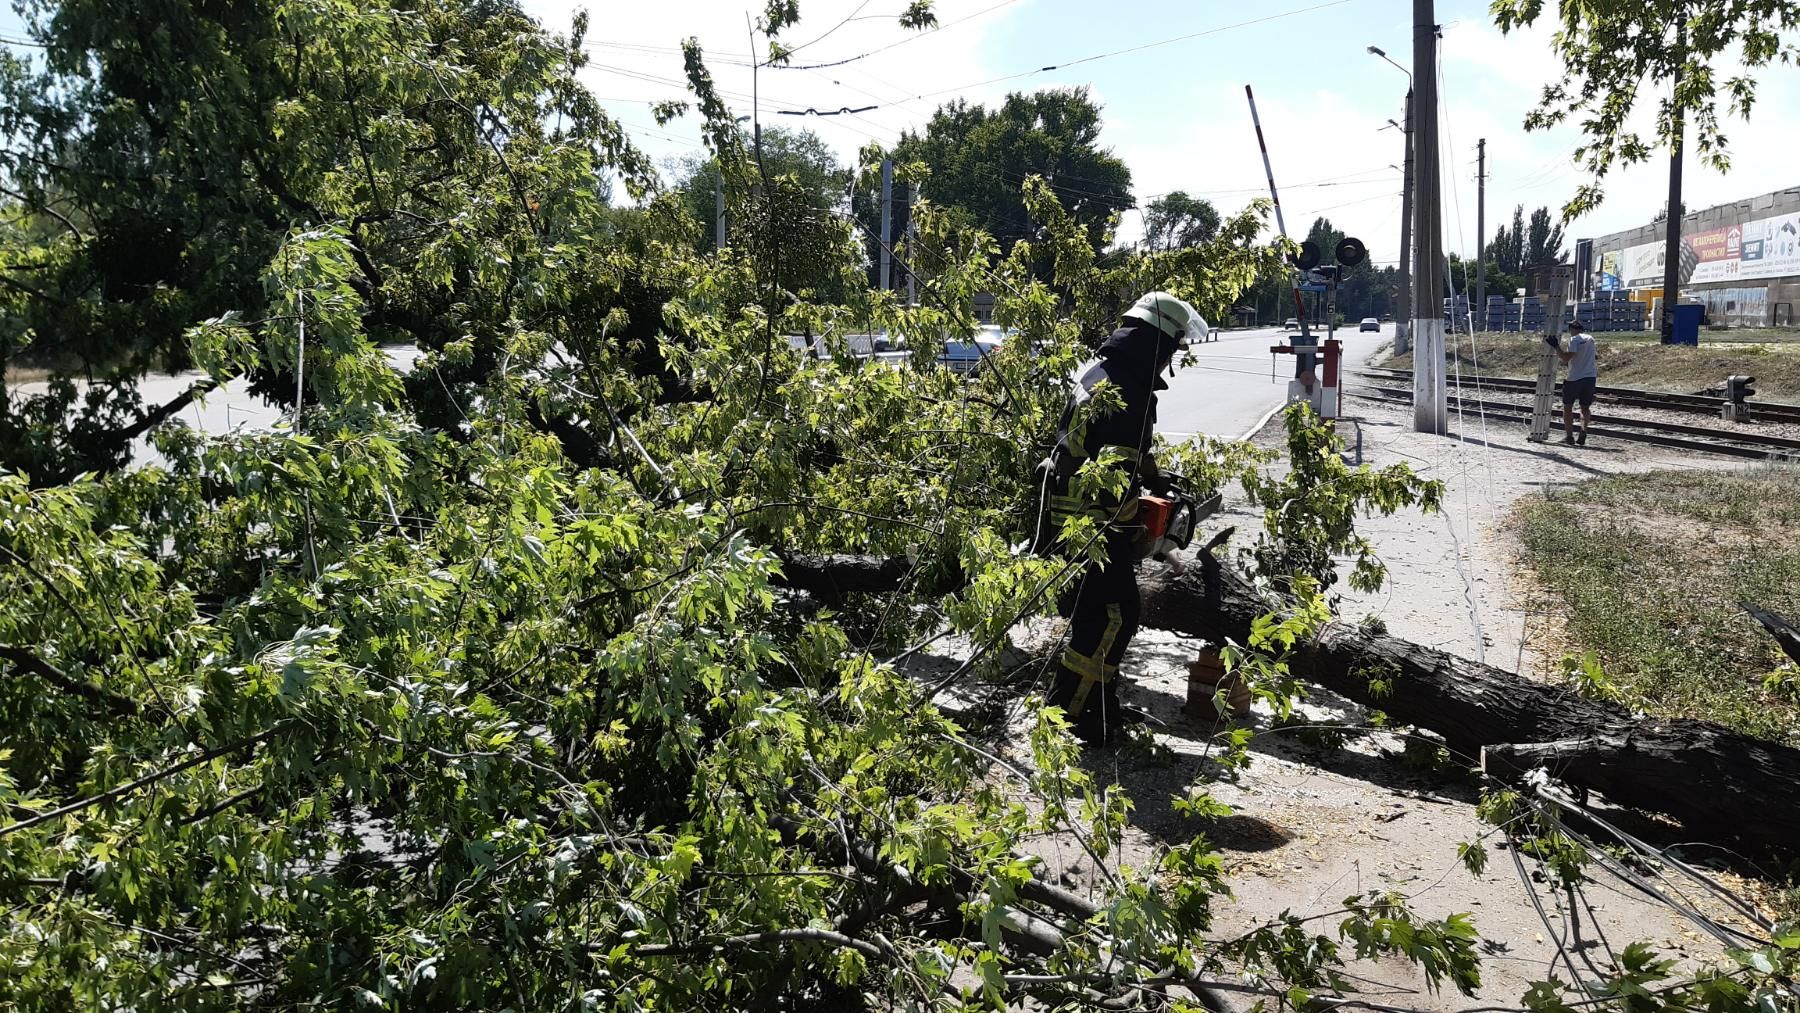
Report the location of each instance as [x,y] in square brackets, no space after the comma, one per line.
[1369,324]
[964,357]
[1290,324]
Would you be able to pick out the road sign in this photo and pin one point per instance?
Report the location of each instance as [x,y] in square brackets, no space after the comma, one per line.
[1311,287]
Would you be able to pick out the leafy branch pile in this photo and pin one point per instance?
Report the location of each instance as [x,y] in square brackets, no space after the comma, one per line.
[478,686]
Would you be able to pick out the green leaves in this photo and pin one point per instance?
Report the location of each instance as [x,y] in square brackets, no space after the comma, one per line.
[1473,855]
[1310,512]
[481,686]
[1444,949]
[1609,51]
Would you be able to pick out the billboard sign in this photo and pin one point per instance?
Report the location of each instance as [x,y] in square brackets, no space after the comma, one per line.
[1609,271]
[1764,248]
[1642,266]
[1771,247]
[1715,256]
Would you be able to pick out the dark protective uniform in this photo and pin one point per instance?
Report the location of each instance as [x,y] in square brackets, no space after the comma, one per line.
[1104,607]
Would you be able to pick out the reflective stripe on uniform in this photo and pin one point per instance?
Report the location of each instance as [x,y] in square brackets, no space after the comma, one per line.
[1106,513]
[1095,669]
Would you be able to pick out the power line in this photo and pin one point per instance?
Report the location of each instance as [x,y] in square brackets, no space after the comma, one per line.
[1131,49]
[1085,59]
[892,45]
[832,30]
[750,60]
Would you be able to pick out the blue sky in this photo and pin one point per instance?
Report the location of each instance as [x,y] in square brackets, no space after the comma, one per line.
[1176,113]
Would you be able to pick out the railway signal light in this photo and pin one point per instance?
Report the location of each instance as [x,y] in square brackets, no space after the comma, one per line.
[1350,251]
[1309,256]
[1737,389]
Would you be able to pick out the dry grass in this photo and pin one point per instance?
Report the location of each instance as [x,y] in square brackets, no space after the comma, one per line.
[1639,360]
[1648,571]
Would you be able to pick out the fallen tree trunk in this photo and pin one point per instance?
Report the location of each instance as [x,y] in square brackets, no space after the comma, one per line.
[831,577]
[1720,783]
[1724,786]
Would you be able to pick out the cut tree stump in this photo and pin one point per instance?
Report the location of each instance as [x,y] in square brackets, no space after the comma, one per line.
[1721,784]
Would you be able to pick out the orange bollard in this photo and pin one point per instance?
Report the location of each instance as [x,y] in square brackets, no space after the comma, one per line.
[1205,674]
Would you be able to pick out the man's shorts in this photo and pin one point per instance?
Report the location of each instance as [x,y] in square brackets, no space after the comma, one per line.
[1579,390]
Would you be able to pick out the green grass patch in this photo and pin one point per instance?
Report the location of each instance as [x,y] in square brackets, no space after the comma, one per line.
[1649,570]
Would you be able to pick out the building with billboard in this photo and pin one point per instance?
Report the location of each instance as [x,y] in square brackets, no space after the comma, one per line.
[1742,260]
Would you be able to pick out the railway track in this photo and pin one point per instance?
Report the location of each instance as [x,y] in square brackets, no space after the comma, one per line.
[1728,443]
[1627,397]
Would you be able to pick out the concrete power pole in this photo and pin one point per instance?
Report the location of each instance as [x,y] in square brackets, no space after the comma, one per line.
[887,222]
[718,206]
[1479,310]
[1403,312]
[1429,404]
[912,255]
[1672,236]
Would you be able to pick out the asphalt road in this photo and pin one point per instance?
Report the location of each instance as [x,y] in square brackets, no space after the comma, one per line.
[1229,388]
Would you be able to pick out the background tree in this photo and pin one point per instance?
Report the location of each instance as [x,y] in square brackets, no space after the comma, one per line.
[1544,241]
[1365,290]
[979,159]
[131,151]
[1613,53]
[1499,282]
[1511,257]
[1497,247]
[1176,220]
[819,195]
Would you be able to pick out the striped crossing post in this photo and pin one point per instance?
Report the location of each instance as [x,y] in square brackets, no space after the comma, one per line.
[1280,222]
[1547,358]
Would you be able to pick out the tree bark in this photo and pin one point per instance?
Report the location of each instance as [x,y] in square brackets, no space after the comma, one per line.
[830,577]
[1723,785]
[1785,631]
[1719,783]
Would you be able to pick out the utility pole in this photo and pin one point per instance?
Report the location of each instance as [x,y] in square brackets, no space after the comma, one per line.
[1479,310]
[912,234]
[887,222]
[1672,236]
[1402,323]
[718,206]
[1429,405]
[1402,332]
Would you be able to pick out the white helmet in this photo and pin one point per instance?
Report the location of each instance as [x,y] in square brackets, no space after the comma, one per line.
[1172,316]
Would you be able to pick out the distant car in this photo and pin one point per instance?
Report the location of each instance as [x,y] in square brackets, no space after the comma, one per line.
[1290,324]
[1369,324]
[964,357]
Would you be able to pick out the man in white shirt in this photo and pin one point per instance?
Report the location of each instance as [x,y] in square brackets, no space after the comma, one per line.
[1579,384]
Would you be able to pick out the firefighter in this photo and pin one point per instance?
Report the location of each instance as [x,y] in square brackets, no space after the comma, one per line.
[1103,607]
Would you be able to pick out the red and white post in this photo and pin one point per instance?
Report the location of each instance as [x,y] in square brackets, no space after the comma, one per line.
[1326,402]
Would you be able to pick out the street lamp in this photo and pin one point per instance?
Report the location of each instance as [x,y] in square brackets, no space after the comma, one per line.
[1402,328]
[1377,51]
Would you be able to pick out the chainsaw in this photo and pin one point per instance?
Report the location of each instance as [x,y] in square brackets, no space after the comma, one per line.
[1169,519]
